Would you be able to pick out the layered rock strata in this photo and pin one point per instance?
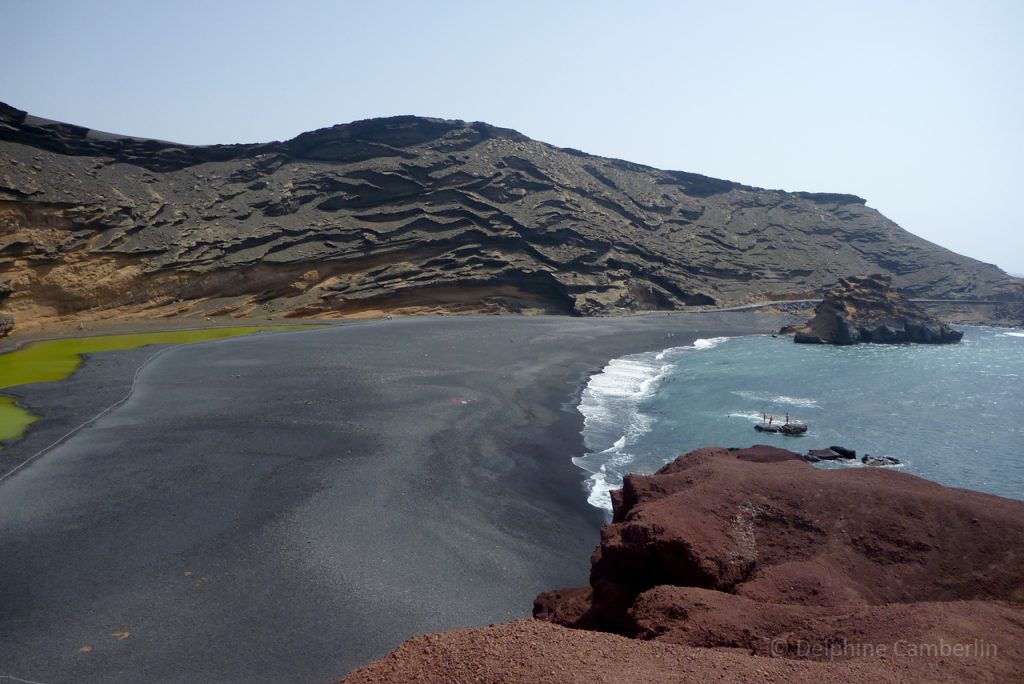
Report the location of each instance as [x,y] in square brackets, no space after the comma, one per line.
[409,214]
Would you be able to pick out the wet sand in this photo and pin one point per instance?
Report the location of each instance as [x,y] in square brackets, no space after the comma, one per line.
[288,507]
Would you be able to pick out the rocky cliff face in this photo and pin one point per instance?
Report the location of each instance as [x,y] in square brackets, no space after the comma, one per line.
[867,309]
[757,531]
[751,565]
[414,214]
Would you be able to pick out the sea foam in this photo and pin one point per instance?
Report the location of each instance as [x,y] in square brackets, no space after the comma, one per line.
[768,398]
[877,399]
[613,416]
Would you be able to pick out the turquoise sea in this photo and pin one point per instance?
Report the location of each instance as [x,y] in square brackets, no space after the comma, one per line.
[950,413]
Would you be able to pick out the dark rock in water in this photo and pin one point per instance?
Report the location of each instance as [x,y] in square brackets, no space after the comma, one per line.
[843,452]
[867,309]
[815,455]
[791,428]
[806,338]
[870,460]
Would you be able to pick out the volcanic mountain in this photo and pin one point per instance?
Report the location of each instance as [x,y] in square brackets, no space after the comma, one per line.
[410,214]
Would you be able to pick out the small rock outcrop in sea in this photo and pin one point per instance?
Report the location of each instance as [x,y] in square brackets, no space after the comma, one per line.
[870,460]
[844,452]
[833,453]
[830,454]
[841,454]
[868,309]
[793,428]
[725,556]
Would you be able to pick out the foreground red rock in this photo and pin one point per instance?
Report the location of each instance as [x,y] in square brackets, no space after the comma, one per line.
[530,651]
[751,565]
[757,550]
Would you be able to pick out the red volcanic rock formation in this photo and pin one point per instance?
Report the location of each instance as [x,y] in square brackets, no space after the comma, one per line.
[751,565]
[531,651]
[757,550]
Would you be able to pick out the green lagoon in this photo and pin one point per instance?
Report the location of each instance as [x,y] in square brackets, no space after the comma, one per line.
[53,360]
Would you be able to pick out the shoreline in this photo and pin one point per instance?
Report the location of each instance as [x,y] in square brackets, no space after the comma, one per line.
[45,425]
[140,326]
[610,412]
[53,360]
[381,479]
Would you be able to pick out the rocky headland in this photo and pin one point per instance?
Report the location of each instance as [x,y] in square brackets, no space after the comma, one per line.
[751,565]
[868,309]
[410,215]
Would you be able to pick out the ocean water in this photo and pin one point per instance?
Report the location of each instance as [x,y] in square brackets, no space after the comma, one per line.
[950,413]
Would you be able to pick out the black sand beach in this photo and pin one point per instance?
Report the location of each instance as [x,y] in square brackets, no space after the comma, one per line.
[286,507]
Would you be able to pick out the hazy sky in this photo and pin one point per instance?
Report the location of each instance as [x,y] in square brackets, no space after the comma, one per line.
[917,106]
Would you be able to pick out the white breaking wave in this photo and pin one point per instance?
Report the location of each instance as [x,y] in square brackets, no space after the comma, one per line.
[610,401]
[856,463]
[617,447]
[1013,334]
[710,343]
[777,399]
[600,491]
[613,419]
[698,344]
[756,417]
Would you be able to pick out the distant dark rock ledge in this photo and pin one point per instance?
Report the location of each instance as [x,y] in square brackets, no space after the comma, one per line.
[868,309]
[751,565]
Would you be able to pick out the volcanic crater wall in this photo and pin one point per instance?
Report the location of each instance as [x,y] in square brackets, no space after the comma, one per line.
[413,214]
